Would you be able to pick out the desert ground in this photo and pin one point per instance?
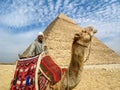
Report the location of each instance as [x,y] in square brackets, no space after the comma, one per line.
[94,77]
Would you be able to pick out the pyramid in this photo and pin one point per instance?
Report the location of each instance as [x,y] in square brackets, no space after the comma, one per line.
[59,36]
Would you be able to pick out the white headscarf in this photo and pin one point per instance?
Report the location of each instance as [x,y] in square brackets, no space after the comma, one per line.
[41,33]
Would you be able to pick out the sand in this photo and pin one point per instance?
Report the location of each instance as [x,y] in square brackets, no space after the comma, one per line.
[94,77]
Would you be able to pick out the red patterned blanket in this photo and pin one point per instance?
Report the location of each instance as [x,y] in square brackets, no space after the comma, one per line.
[25,73]
[24,76]
[51,69]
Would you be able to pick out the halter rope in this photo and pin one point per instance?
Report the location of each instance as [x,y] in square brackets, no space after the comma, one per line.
[88,52]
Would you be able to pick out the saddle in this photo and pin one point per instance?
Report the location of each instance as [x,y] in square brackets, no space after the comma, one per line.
[35,73]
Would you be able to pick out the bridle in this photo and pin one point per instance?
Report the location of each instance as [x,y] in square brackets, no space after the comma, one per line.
[88,52]
[87,47]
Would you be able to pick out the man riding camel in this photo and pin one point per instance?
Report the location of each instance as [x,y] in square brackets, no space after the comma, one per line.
[37,47]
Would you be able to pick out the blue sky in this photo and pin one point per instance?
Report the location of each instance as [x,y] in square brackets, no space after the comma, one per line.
[21,20]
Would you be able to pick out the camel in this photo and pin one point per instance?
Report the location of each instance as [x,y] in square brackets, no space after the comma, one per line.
[72,76]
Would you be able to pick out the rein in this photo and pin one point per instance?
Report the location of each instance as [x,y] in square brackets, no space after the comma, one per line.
[88,52]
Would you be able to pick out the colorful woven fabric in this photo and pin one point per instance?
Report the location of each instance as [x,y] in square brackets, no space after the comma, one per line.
[51,69]
[24,76]
[42,82]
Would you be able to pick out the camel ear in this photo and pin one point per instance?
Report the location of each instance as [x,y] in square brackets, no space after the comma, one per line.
[94,31]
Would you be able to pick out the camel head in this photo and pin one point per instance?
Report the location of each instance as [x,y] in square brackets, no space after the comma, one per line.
[84,38]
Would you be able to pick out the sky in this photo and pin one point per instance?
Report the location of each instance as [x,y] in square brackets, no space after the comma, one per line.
[21,20]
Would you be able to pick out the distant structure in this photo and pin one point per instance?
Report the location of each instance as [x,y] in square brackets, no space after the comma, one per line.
[59,36]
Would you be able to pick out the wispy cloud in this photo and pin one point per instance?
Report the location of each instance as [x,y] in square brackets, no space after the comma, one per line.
[16,19]
[28,17]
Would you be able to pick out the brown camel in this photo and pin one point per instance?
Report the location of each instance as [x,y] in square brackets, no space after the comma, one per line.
[73,75]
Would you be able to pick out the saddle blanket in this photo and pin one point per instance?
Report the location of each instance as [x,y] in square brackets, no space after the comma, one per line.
[51,69]
[24,76]
[42,82]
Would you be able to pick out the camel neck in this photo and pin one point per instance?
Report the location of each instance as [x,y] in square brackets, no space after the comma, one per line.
[77,60]
[76,66]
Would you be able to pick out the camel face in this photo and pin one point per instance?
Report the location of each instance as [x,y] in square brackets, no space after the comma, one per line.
[84,37]
[90,30]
